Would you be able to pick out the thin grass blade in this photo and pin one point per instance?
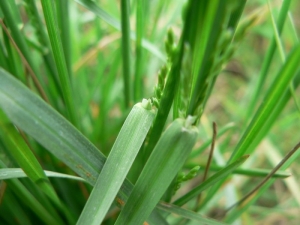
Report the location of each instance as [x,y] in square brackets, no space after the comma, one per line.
[11,173]
[167,158]
[118,163]
[25,158]
[170,208]
[126,56]
[210,181]
[59,57]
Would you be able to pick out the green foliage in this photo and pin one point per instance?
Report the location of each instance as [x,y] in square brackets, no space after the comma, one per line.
[74,76]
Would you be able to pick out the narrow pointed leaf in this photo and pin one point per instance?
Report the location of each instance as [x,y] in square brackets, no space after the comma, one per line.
[167,158]
[118,163]
[188,214]
[210,181]
[11,173]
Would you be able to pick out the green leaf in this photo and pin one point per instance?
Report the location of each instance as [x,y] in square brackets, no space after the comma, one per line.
[26,160]
[126,56]
[162,166]
[170,208]
[251,172]
[45,213]
[279,86]
[268,57]
[118,163]
[11,173]
[59,57]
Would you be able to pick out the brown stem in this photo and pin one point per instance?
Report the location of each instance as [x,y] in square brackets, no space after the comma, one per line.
[211,152]
[274,170]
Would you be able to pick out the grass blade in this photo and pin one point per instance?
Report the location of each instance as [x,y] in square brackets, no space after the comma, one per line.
[46,214]
[251,172]
[63,24]
[11,173]
[25,158]
[167,158]
[269,56]
[38,25]
[60,61]
[170,208]
[210,181]
[140,27]
[125,25]
[118,163]
[6,8]
[279,86]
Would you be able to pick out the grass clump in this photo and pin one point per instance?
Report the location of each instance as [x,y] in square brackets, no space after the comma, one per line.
[74,118]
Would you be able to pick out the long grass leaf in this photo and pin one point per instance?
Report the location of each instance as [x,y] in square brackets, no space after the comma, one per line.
[279,86]
[250,172]
[11,173]
[170,208]
[118,163]
[46,214]
[140,27]
[165,161]
[12,22]
[269,56]
[59,57]
[38,25]
[26,159]
[126,56]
